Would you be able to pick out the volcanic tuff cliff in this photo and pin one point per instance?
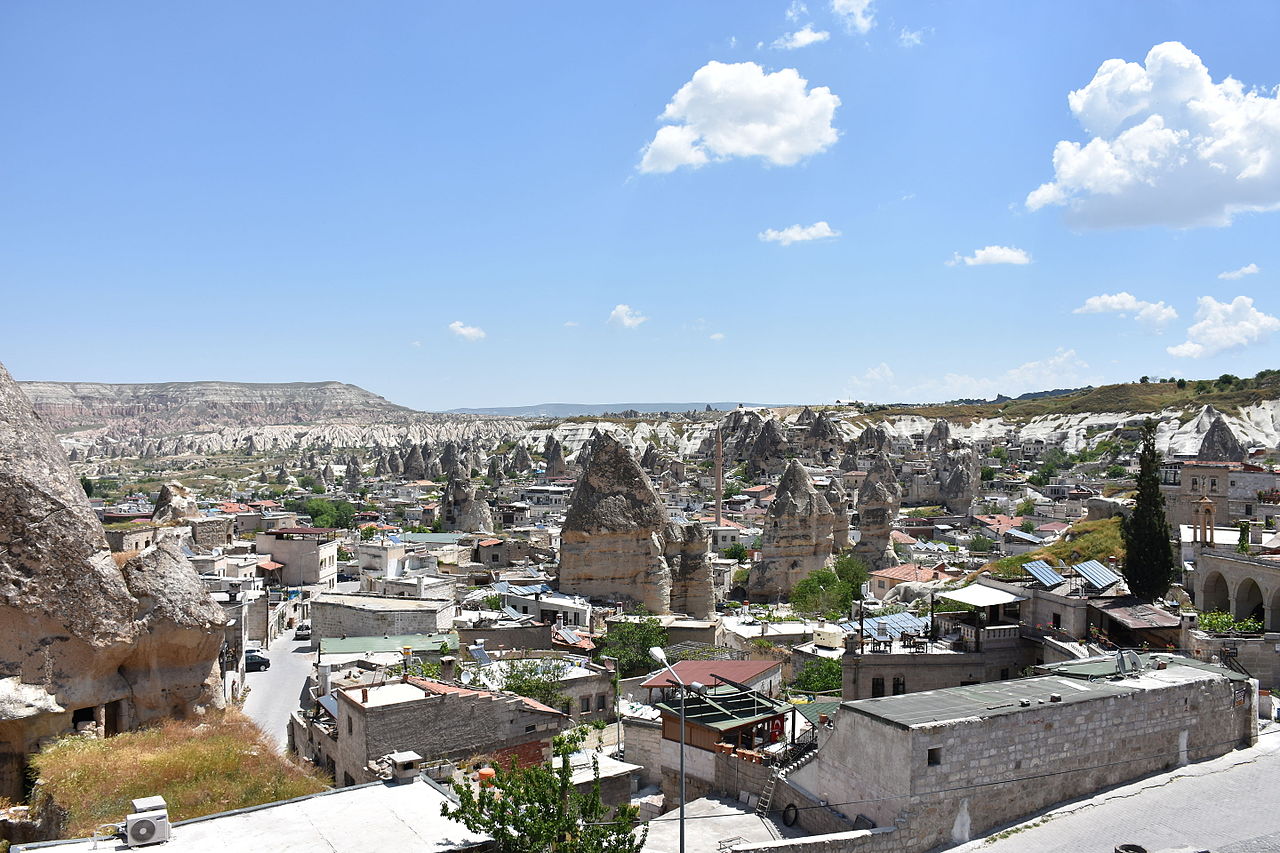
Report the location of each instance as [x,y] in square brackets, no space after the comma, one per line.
[122,644]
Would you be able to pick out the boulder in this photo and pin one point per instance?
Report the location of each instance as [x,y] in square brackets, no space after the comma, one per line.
[174,504]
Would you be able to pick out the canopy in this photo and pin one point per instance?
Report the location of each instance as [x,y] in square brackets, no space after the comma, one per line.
[981,596]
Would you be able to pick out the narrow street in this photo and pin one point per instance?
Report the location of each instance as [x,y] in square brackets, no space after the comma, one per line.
[277,692]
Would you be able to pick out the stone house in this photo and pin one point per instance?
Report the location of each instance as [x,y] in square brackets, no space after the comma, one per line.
[438,720]
[214,531]
[308,555]
[946,766]
[359,614]
[131,536]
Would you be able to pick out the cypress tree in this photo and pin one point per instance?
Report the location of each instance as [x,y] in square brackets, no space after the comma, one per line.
[1148,566]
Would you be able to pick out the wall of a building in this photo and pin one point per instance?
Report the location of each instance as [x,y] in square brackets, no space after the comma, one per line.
[334,619]
[932,671]
[643,739]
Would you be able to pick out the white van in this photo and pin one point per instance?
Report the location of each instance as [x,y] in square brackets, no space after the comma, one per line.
[303,631]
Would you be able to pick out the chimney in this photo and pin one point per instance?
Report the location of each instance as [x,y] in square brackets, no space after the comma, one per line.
[422,586]
[322,676]
[448,668]
[406,654]
[364,695]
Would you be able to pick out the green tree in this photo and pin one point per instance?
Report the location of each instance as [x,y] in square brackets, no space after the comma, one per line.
[853,570]
[736,551]
[1115,472]
[819,676]
[1026,507]
[493,602]
[630,642]
[1242,546]
[1148,566]
[1182,383]
[822,593]
[368,532]
[539,810]
[1000,452]
[732,490]
[1027,526]
[980,544]
[988,473]
[539,679]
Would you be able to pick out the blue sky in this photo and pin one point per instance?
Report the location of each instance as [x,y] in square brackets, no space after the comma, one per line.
[463,205]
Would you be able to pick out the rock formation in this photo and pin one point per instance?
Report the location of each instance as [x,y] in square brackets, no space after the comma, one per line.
[351,476]
[1220,444]
[382,468]
[617,545]
[805,417]
[959,479]
[415,467]
[798,536]
[521,462]
[768,452]
[174,504]
[878,500]
[327,475]
[82,639]
[838,498]
[556,464]
[873,438]
[462,510]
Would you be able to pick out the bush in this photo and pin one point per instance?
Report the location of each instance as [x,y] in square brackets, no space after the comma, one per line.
[1218,622]
[819,676]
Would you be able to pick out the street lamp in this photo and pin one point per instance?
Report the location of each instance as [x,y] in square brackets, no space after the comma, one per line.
[661,657]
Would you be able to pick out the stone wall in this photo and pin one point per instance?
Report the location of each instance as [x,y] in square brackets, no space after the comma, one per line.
[1259,654]
[132,538]
[212,532]
[525,637]
[643,742]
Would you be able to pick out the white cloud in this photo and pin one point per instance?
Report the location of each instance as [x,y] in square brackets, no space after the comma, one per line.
[716,336]
[1169,146]
[798,233]
[1224,325]
[991,255]
[1247,269]
[796,11]
[462,330]
[569,324]
[802,37]
[737,110]
[880,375]
[1063,369]
[856,14]
[415,343]
[626,316]
[1154,314]
[910,38]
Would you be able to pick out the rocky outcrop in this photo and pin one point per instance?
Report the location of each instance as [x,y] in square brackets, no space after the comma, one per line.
[873,438]
[838,498]
[80,637]
[939,438]
[768,452]
[463,510]
[520,461]
[1220,444]
[798,536]
[878,501]
[959,479]
[415,466]
[174,504]
[556,464]
[352,478]
[616,544]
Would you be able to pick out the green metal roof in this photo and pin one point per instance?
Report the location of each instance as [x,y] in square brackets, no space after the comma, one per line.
[812,710]
[727,707]
[417,642]
[1095,667]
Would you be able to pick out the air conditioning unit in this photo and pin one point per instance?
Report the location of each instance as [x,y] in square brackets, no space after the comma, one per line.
[149,823]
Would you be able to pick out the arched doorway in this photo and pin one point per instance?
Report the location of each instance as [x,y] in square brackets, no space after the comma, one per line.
[1215,595]
[1249,600]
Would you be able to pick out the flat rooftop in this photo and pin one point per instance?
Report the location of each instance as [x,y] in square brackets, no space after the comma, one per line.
[381,602]
[1088,682]
[392,643]
[364,819]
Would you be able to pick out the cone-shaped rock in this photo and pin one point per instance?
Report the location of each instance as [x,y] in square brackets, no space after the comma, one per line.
[1219,444]
[798,535]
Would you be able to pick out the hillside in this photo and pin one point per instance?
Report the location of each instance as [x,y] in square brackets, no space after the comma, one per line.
[176,406]
[1136,397]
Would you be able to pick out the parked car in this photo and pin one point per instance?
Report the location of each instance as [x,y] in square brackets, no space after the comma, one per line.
[254,661]
[303,631]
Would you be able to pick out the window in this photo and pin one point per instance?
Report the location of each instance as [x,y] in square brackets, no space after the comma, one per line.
[1057,621]
[529,729]
[877,687]
[348,725]
[585,705]
[602,702]
[1195,484]
[1213,484]
[1248,509]
[899,685]
[935,756]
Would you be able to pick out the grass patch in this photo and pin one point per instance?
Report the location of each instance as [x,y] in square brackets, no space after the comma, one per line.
[200,768]
[1086,540]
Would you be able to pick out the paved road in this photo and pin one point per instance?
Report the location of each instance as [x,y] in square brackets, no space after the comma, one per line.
[1226,805]
[277,692]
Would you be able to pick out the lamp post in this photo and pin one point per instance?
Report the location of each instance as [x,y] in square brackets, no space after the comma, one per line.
[661,657]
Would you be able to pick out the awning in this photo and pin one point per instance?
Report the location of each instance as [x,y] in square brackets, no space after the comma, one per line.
[981,596]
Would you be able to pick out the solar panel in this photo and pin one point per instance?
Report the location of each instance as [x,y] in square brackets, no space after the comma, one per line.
[480,655]
[511,612]
[1043,572]
[1098,575]
[893,625]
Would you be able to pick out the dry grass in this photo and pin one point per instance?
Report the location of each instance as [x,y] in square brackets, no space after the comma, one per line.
[122,557]
[200,768]
[1089,540]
